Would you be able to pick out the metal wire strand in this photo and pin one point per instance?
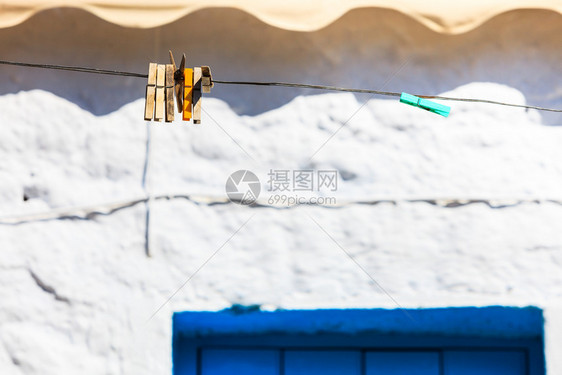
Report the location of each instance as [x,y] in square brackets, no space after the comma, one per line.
[278,84]
[384,93]
[75,69]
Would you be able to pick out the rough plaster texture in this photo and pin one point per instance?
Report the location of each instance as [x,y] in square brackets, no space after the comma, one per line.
[76,295]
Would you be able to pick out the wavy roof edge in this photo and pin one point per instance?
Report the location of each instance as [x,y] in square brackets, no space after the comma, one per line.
[441,16]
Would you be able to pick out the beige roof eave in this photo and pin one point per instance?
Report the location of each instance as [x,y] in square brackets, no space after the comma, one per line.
[445,16]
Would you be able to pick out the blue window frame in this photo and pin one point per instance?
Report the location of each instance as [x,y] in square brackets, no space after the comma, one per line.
[448,341]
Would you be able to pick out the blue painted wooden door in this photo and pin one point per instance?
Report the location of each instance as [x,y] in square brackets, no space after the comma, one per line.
[357,362]
[325,362]
[237,361]
[399,363]
[478,362]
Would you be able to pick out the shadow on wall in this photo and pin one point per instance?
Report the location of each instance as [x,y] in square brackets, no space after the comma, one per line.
[521,49]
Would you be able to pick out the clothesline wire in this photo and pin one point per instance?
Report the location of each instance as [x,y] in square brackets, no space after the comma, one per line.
[278,84]
[75,69]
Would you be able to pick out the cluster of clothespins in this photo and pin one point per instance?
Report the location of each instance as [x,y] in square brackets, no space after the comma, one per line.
[187,85]
[166,81]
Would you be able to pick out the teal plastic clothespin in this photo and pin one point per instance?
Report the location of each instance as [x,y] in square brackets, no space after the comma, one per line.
[428,105]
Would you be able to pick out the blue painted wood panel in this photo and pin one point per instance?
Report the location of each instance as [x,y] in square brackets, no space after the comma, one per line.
[238,361]
[466,341]
[325,362]
[400,363]
[492,362]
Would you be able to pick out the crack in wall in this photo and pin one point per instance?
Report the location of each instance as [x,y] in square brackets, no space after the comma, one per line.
[47,288]
[13,358]
[90,213]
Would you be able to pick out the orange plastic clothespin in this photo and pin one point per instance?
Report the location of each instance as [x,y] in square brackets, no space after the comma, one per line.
[187,93]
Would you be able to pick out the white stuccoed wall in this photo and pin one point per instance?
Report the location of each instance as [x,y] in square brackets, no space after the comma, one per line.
[104,289]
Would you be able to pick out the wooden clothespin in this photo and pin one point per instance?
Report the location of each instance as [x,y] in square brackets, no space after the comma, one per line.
[197,95]
[202,83]
[150,92]
[178,80]
[160,93]
[207,79]
[170,83]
